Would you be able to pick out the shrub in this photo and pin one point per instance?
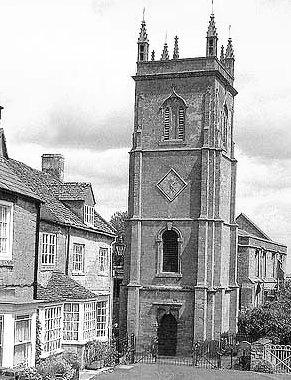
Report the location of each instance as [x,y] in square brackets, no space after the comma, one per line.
[96,351]
[54,367]
[29,374]
[263,366]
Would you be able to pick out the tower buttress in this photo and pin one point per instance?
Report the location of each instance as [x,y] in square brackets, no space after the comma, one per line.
[211,44]
[229,57]
[143,43]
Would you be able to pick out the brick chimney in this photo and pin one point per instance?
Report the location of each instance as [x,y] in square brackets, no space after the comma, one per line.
[53,164]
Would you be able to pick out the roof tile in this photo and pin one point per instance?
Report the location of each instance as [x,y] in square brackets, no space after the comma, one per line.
[61,287]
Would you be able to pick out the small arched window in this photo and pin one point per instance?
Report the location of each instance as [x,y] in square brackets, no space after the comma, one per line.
[225,127]
[170,251]
[174,110]
[167,124]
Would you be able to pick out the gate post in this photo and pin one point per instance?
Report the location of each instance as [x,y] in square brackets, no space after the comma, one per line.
[219,360]
[132,348]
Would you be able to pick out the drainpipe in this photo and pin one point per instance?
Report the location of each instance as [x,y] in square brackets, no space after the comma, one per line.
[36,251]
[68,251]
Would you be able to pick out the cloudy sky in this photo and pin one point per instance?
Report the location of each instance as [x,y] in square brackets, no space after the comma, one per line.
[65,83]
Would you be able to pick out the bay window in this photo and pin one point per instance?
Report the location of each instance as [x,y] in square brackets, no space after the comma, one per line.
[22,340]
[53,329]
[71,321]
[95,319]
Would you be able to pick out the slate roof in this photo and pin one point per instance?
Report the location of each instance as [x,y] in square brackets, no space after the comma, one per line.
[250,227]
[11,182]
[102,224]
[71,190]
[61,287]
[45,187]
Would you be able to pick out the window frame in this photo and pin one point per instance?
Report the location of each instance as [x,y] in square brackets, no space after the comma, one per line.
[274,264]
[258,266]
[70,322]
[48,244]
[174,238]
[94,322]
[89,215]
[1,337]
[9,223]
[51,346]
[105,266]
[27,343]
[174,119]
[81,262]
[159,243]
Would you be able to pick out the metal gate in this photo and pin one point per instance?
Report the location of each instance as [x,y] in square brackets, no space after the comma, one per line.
[279,356]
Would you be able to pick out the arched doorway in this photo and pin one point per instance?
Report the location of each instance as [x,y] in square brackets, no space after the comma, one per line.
[167,335]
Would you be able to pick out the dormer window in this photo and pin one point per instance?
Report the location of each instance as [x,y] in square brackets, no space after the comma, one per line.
[89,215]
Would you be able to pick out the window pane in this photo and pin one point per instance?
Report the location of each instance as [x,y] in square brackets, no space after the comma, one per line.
[103,259]
[170,251]
[48,248]
[71,321]
[1,338]
[78,257]
[4,230]
[22,340]
[52,340]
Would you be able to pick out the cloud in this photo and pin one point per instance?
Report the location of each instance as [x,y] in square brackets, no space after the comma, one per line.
[71,128]
[100,6]
[266,143]
[263,193]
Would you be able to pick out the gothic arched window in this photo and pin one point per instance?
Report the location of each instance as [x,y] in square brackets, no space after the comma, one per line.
[174,111]
[225,127]
[170,251]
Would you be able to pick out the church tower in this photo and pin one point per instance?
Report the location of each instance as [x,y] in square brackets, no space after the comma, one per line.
[180,265]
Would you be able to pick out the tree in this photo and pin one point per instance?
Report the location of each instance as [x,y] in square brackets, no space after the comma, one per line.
[118,221]
[271,320]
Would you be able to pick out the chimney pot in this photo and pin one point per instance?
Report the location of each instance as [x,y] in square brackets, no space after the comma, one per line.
[53,164]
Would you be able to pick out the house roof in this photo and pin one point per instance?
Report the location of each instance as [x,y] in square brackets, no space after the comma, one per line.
[72,191]
[9,181]
[102,224]
[44,186]
[61,287]
[250,228]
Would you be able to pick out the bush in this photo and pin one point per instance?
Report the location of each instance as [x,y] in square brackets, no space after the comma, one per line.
[96,351]
[263,366]
[54,367]
[29,374]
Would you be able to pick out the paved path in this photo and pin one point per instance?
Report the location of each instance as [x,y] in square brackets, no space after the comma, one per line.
[173,372]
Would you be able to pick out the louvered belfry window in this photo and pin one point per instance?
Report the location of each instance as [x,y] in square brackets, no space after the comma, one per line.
[174,112]
[181,127]
[170,251]
[167,124]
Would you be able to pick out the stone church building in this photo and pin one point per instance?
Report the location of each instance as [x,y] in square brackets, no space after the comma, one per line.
[180,269]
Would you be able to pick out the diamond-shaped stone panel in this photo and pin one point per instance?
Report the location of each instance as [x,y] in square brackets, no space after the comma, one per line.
[171,185]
